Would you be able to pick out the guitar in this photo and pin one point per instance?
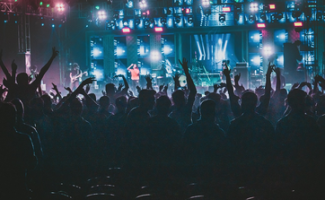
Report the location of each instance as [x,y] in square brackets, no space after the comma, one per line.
[78,77]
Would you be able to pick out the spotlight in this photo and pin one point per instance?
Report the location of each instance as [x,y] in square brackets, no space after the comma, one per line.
[53,25]
[126,30]
[205,3]
[187,10]
[226,9]
[163,20]
[159,29]
[190,20]
[137,21]
[143,4]
[253,7]
[267,51]
[177,19]
[261,25]
[272,6]
[251,18]
[101,15]
[263,16]
[298,24]
[222,18]
[60,7]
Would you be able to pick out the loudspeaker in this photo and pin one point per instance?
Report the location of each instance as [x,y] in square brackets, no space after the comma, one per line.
[243,69]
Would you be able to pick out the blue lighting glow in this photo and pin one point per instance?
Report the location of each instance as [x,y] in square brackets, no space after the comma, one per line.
[53,25]
[98,73]
[42,24]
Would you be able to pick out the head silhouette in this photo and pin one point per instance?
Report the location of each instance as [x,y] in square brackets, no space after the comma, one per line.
[22,79]
[47,101]
[110,89]
[92,96]
[147,99]
[19,108]
[179,98]
[104,102]
[207,110]
[297,100]
[76,107]
[163,104]
[8,115]
[249,102]
[121,103]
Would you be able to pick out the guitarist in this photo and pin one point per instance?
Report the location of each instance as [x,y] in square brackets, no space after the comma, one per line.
[75,76]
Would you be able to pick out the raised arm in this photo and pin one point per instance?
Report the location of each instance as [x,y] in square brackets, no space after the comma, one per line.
[46,66]
[235,107]
[3,67]
[262,108]
[190,82]
[13,71]
[130,66]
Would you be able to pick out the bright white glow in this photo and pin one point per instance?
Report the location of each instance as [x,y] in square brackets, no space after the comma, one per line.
[98,74]
[96,52]
[60,7]
[256,37]
[205,2]
[267,51]
[101,15]
[220,41]
[256,60]
[280,60]
[167,50]
[155,55]
[143,4]
[282,36]
[253,7]
[119,51]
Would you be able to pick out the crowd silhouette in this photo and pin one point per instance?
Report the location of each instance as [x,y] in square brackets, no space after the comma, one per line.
[232,143]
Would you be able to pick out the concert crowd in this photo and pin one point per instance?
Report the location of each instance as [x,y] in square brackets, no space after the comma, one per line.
[232,143]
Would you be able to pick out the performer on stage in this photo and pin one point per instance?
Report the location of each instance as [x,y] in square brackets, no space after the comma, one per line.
[75,76]
[135,74]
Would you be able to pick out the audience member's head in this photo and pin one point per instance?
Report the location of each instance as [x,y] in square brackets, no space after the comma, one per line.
[121,103]
[297,100]
[147,99]
[47,101]
[104,102]
[110,89]
[207,110]
[8,115]
[179,98]
[22,79]
[19,108]
[163,104]
[76,107]
[248,102]
[92,96]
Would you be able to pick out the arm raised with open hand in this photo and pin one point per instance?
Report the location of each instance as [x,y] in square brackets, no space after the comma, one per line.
[190,82]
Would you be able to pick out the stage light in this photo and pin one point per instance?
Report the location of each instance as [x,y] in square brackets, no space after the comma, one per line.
[159,29]
[42,24]
[101,15]
[97,7]
[47,5]
[96,52]
[205,2]
[253,7]
[261,25]
[272,6]
[251,18]
[222,18]
[87,26]
[163,20]
[60,7]
[137,21]
[177,19]
[298,24]
[267,50]
[142,4]
[256,37]
[282,36]
[263,16]
[226,9]
[5,21]
[126,30]
[155,56]
[256,60]
[41,3]
[53,25]
[187,10]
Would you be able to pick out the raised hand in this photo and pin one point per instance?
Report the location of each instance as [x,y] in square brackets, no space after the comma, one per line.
[14,66]
[55,53]
[138,88]
[277,71]
[176,78]
[184,65]
[120,87]
[165,88]
[270,69]
[87,88]
[54,87]
[87,81]
[237,77]
[161,87]
[226,71]
[68,89]
[131,94]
